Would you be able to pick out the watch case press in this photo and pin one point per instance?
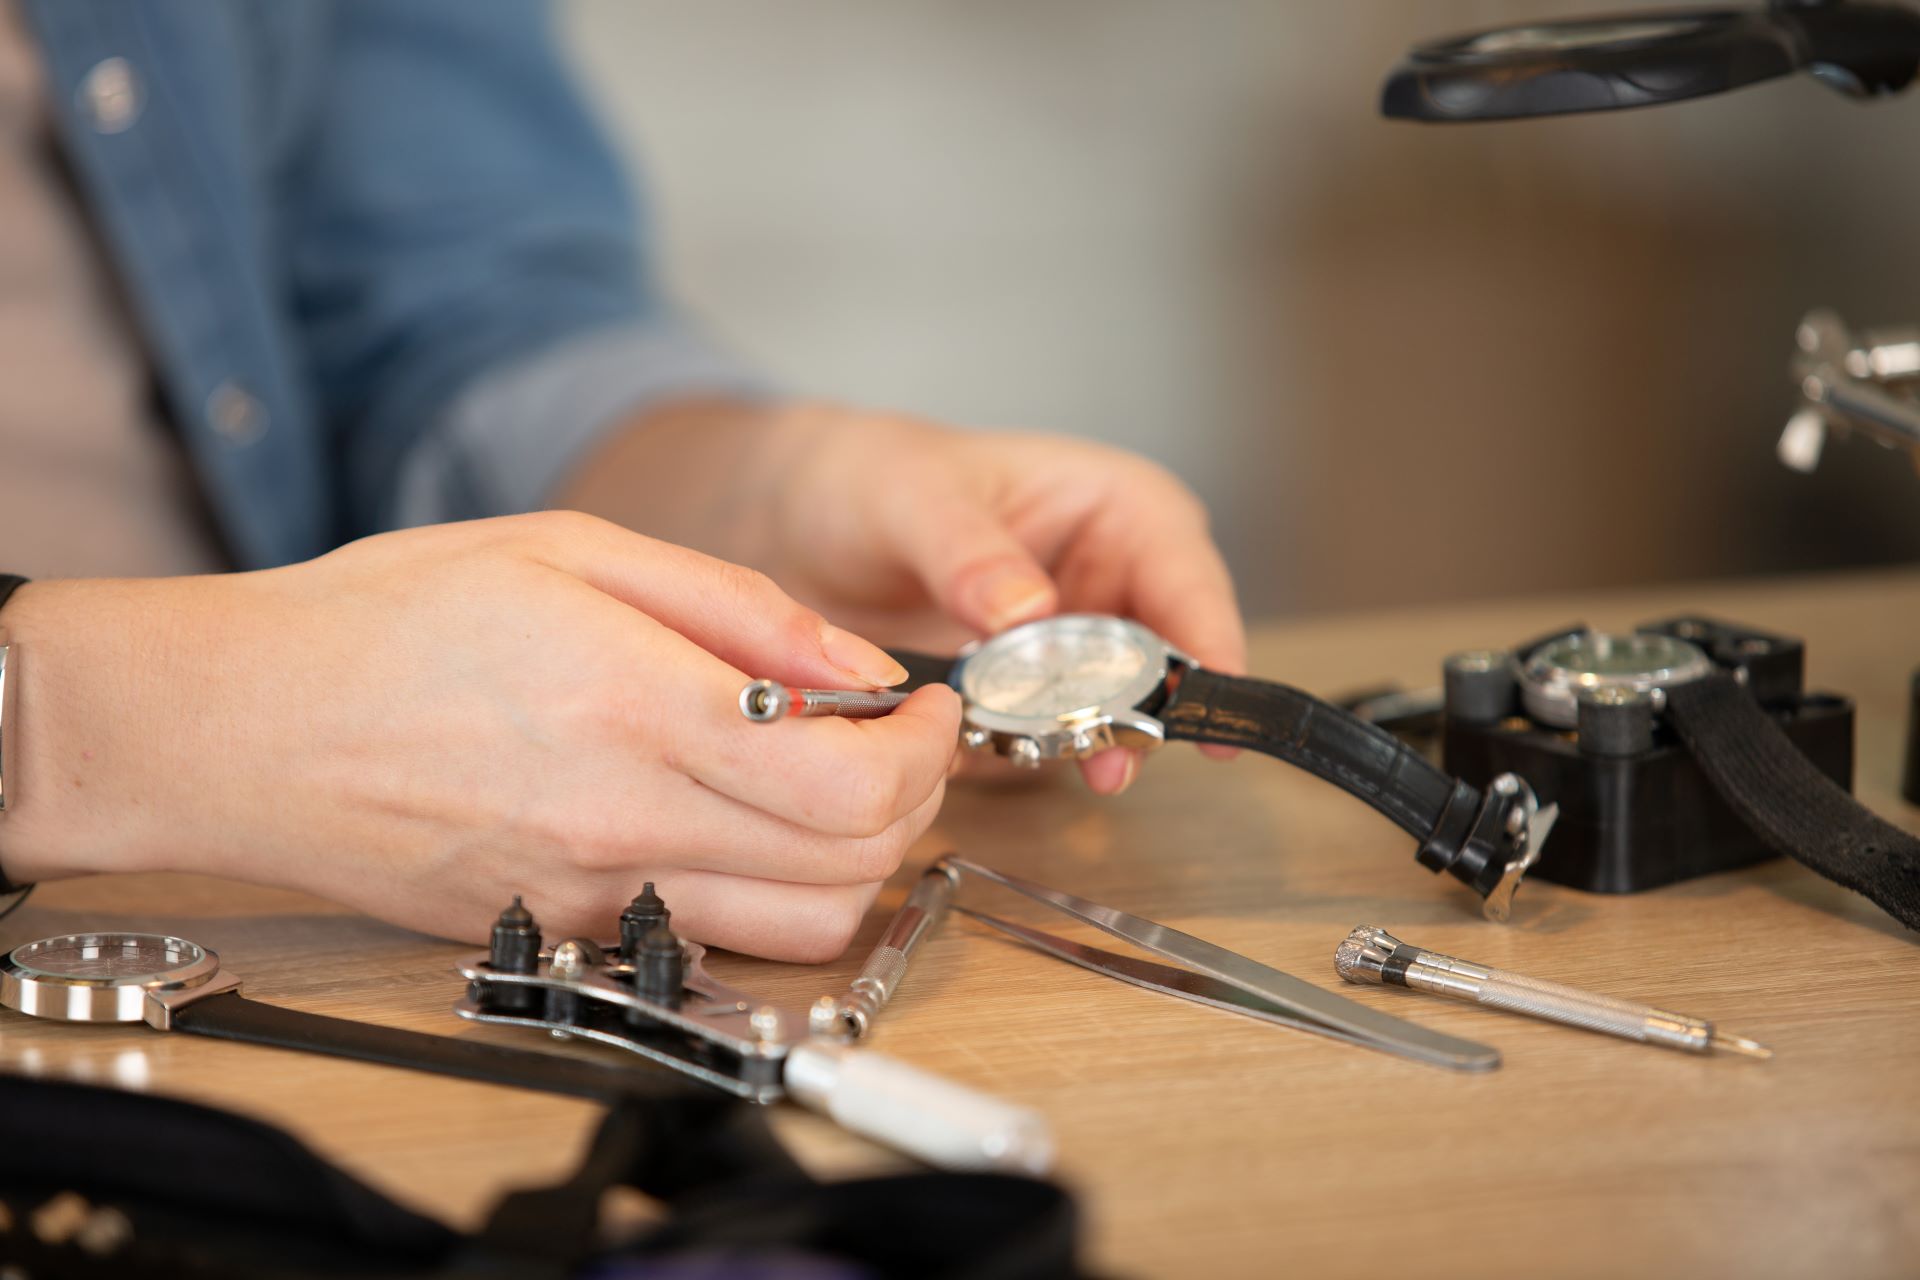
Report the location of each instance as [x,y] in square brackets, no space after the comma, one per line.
[1580,717]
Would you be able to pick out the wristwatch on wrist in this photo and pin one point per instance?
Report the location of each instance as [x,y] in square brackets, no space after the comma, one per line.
[1070,686]
[9,756]
[173,984]
[1629,685]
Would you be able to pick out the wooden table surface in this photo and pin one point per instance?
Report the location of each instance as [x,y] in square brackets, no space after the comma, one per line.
[1206,1144]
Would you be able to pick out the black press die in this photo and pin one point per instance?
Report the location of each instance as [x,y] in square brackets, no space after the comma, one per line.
[1582,716]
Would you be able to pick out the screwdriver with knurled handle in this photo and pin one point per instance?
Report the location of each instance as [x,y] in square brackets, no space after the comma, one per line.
[1371,954]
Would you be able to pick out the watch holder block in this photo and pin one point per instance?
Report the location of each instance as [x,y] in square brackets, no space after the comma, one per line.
[1650,818]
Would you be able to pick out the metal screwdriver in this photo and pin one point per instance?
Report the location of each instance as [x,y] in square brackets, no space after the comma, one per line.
[765,701]
[1371,954]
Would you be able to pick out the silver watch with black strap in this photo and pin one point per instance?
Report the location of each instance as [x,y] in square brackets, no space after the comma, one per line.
[1071,686]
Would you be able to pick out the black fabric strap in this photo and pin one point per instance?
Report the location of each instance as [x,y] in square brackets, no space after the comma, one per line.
[1278,720]
[231,1016]
[1797,810]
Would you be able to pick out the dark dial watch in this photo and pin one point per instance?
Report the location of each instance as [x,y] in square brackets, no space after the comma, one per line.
[1769,784]
[1067,687]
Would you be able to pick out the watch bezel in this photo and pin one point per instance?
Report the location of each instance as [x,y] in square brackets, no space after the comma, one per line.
[1550,687]
[1082,731]
[41,993]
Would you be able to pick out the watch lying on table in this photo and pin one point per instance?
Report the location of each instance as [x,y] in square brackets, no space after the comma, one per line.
[173,984]
[1071,686]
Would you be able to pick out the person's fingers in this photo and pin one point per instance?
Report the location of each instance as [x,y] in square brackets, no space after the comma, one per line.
[968,560]
[1184,592]
[799,923]
[738,615]
[1110,772]
[698,829]
[851,778]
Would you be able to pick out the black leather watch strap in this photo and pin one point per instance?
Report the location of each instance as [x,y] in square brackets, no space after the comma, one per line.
[1459,832]
[1793,807]
[10,583]
[231,1016]
[1295,726]
[922,668]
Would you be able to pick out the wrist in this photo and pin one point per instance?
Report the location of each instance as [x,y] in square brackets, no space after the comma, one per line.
[703,474]
[82,746]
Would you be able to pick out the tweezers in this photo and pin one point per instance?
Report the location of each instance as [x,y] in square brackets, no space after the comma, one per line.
[1213,976]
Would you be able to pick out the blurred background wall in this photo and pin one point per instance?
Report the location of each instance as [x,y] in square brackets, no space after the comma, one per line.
[1401,363]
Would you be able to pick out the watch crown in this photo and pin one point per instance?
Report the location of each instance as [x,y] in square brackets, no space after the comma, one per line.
[1024,752]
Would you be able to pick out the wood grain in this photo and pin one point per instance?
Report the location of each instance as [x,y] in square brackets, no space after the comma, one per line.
[1204,1144]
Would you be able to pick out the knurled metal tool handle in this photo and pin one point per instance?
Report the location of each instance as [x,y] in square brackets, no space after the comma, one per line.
[765,701]
[1557,1002]
[1371,954]
[918,916]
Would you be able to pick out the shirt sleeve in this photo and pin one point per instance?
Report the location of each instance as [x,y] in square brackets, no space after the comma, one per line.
[506,443]
[468,266]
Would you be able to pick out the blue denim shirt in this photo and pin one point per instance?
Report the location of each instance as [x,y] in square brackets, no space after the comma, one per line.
[386,270]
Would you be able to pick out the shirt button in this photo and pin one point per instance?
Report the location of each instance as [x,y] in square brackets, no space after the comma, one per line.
[110,96]
[236,413]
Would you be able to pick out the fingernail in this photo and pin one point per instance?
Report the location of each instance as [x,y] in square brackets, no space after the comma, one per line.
[1013,595]
[1126,775]
[867,663]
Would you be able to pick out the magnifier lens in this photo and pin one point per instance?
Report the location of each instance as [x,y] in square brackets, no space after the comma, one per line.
[1565,36]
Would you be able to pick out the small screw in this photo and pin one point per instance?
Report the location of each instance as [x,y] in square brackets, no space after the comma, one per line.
[765,1022]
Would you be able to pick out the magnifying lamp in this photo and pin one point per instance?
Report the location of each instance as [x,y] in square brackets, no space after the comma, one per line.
[1609,62]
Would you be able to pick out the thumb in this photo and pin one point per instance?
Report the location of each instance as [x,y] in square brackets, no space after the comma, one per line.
[972,565]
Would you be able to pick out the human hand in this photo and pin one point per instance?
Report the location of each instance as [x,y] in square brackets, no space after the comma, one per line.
[425,723]
[925,536]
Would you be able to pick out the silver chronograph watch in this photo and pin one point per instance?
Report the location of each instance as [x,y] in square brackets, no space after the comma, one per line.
[1070,686]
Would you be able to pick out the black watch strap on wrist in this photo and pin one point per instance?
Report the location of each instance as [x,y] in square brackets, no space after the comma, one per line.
[1793,807]
[1459,830]
[231,1016]
[10,583]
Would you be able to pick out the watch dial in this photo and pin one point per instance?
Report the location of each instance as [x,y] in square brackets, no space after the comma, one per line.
[1054,667]
[107,957]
